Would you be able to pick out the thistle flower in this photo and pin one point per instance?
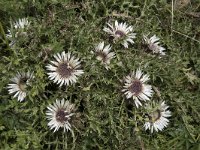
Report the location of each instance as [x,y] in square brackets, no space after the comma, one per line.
[22,23]
[103,54]
[59,115]
[157,117]
[65,69]
[153,44]
[121,31]
[19,28]
[135,87]
[19,85]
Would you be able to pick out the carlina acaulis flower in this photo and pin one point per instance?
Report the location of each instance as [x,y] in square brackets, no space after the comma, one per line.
[60,114]
[153,44]
[121,31]
[135,87]
[20,27]
[157,114]
[65,69]
[19,85]
[103,54]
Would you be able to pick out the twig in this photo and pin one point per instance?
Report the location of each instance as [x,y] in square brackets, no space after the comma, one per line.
[186,36]
[194,14]
[120,15]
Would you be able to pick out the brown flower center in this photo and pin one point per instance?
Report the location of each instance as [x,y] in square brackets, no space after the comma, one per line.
[61,116]
[120,33]
[22,83]
[154,116]
[102,55]
[154,48]
[64,70]
[136,87]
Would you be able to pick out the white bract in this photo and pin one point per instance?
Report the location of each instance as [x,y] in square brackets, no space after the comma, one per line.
[121,31]
[64,70]
[19,85]
[59,115]
[103,54]
[157,117]
[136,88]
[153,44]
